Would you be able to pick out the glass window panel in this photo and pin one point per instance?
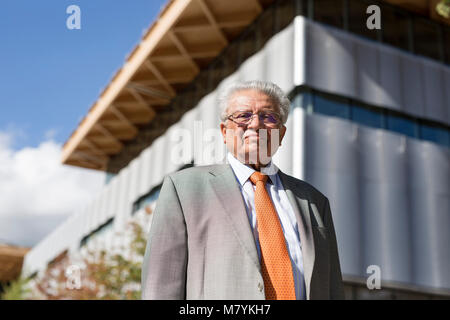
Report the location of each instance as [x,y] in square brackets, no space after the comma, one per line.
[303,100]
[367,116]
[435,134]
[285,12]
[402,125]
[336,107]
[357,18]
[231,58]
[330,12]
[395,27]
[301,7]
[266,27]
[202,83]
[216,71]
[247,44]
[447,44]
[426,38]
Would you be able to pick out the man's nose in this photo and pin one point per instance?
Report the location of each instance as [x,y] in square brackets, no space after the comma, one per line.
[255,122]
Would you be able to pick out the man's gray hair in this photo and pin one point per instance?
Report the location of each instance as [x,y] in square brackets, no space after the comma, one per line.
[269,88]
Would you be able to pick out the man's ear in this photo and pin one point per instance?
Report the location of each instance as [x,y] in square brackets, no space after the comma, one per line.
[282,133]
[223,130]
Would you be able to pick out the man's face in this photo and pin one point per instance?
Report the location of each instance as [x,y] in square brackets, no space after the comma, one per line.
[256,141]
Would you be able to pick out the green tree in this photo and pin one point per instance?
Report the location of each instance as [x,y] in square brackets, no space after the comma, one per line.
[16,290]
[443,8]
[107,273]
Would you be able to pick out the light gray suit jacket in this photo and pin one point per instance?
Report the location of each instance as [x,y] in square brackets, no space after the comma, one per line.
[201,245]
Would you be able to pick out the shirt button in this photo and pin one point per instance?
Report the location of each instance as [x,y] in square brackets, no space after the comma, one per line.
[260,286]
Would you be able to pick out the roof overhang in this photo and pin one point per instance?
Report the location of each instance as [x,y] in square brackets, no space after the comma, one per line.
[11,259]
[187,35]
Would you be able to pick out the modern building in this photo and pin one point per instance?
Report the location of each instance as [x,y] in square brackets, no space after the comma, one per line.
[369,125]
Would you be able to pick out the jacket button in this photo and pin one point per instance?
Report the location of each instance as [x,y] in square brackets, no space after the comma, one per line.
[260,286]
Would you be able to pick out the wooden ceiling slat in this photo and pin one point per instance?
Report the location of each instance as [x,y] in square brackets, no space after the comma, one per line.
[212,21]
[183,51]
[160,77]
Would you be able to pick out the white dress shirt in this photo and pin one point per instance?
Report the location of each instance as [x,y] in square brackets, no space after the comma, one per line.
[285,213]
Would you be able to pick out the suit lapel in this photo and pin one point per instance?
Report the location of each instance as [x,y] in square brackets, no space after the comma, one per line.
[300,206]
[226,187]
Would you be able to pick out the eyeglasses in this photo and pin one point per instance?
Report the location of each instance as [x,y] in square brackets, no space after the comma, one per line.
[245,117]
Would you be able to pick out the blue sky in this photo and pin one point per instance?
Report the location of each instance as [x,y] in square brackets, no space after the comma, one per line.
[50,75]
[49,78]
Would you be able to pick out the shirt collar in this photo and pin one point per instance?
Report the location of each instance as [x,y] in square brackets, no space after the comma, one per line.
[243,171]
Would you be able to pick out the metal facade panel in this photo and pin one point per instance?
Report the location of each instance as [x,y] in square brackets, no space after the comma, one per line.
[330,157]
[278,62]
[330,60]
[429,169]
[447,94]
[144,183]
[368,85]
[434,88]
[390,79]
[389,196]
[133,190]
[412,86]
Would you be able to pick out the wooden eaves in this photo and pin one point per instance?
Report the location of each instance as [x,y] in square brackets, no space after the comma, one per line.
[187,35]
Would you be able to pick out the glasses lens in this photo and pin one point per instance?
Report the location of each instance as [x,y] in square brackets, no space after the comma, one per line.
[242,117]
[270,118]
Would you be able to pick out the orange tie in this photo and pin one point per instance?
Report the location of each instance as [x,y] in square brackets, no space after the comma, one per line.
[276,265]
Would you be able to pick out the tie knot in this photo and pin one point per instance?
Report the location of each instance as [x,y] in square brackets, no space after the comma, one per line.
[257,176]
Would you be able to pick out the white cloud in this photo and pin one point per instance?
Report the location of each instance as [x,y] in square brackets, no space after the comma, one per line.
[37,192]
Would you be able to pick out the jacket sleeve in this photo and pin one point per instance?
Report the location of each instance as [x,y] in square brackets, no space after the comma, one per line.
[336,285]
[164,267]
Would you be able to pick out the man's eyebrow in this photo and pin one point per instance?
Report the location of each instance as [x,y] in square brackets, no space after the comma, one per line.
[248,110]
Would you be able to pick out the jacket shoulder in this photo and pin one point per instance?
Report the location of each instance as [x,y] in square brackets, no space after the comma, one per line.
[198,172]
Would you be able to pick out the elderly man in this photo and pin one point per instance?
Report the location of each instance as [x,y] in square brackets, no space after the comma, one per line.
[243,230]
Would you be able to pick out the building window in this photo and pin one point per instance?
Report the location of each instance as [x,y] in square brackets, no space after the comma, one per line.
[435,134]
[426,39]
[396,28]
[367,116]
[216,69]
[330,12]
[303,100]
[313,101]
[97,232]
[402,125]
[247,44]
[202,84]
[265,27]
[285,13]
[231,56]
[147,199]
[447,44]
[153,194]
[357,18]
[335,107]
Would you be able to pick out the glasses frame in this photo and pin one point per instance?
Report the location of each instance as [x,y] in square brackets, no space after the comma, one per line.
[277,116]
